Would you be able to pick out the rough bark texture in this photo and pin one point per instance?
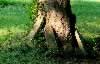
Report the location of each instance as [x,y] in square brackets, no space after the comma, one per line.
[60,25]
[62,21]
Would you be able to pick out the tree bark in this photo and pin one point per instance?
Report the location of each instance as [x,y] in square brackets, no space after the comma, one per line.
[59,18]
[62,21]
[60,25]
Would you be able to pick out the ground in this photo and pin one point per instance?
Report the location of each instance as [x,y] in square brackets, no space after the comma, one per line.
[16,19]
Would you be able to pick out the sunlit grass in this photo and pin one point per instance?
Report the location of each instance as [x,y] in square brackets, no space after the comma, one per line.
[92,0]
[7,33]
[12,30]
[88,18]
[15,1]
[14,19]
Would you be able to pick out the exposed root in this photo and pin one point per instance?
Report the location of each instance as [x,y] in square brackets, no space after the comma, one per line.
[80,44]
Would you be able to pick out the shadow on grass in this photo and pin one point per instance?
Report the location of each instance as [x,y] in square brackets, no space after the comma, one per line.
[18,52]
[92,47]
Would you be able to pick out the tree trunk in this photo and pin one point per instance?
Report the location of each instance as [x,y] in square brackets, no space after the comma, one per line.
[61,20]
[60,25]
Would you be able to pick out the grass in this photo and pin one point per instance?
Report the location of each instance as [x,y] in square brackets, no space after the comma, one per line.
[15,1]
[88,18]
[16,21]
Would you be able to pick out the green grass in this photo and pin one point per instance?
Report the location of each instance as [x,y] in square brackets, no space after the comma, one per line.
[88,18]
[15,21]
[15,1]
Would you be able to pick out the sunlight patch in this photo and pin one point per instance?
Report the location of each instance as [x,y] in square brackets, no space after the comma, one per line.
[22,1]
[12,30]
[92,0]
